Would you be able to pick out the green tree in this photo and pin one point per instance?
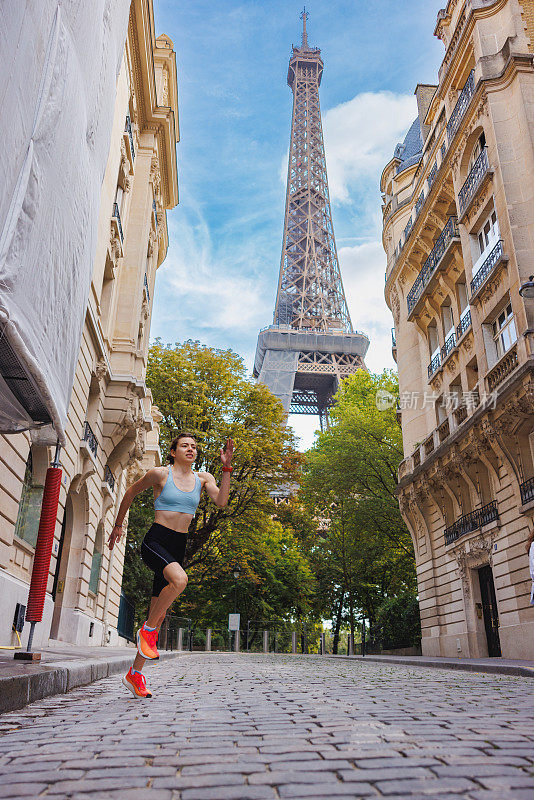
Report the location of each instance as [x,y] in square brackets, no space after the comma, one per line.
[206,392]
[350,481]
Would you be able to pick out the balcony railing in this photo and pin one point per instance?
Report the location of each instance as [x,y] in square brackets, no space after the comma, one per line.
[109,478]
[444,430]
[155,210]
[434,365]
[128,128]
[471,522]
[527,491]
[393,338]
[465,324]
[432,175]
[461,106]
[145,284]
[117,215]
[448,347]
[449,232]
[503,368]
[407,229]
[90,438]
[460,414]
[487,267]
[474,179]
[419,203]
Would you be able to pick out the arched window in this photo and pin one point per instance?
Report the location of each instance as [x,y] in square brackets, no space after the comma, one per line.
[27,525]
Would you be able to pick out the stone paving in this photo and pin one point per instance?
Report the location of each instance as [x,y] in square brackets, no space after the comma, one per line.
[255,727]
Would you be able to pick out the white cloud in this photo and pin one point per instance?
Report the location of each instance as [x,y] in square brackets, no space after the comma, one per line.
[360,136]
[204,290]
[362,268]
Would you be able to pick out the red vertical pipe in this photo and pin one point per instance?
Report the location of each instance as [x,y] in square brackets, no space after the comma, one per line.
[43,548]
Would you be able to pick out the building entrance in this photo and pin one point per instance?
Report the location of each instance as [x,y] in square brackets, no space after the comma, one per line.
[489,610]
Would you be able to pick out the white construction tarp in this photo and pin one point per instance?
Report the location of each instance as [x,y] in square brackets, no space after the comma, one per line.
[60,62]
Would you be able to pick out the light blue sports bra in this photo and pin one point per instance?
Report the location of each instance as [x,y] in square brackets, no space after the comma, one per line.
[174,499]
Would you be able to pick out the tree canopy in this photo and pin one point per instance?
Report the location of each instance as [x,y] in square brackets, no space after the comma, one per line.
[366,553]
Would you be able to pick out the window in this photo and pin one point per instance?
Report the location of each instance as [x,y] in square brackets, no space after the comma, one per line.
[97,561]
[489,234]
[119,197]
[27,526]
[477,149]
[448,322]
[504,333]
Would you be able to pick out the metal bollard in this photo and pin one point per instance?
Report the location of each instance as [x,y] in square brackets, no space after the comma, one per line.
[265,641]
[323,644]
[180,645]
[294,642]
[236,642]
[208,640]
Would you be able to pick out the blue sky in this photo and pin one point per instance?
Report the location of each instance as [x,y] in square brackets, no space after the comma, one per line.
[218,283]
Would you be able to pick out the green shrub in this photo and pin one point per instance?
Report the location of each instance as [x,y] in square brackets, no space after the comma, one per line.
[399,622]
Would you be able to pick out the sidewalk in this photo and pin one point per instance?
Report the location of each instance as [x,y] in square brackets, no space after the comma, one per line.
[500,666]
[63,666]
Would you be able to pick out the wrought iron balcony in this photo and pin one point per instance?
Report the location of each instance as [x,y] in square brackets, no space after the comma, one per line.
[449,232]
[487,267]
[434,365]
[419,203]
[461,106]
[128,128]
[109,478]
[527,491]
[474,179]
[465,324]
[448,347]
[393,338]
[145,284]
[155,210]
[90,438]
[471,522]
[432,175]
[117,215]
[408,228]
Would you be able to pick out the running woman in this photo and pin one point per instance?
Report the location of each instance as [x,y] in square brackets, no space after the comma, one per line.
[177,492]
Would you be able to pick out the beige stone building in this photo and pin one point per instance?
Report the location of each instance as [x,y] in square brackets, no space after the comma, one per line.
[459,237]
[112,429]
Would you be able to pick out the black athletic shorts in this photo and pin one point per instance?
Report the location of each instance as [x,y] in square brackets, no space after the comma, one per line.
[162,546]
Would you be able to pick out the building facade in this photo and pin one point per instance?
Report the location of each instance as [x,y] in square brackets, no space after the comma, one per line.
[112,432]
[458,230]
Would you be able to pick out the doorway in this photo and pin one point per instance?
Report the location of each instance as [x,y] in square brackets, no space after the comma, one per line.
[489,610]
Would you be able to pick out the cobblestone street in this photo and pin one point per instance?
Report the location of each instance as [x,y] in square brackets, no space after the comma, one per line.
[255,727]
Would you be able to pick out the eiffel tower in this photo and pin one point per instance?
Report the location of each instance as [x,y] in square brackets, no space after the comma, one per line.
[311,344]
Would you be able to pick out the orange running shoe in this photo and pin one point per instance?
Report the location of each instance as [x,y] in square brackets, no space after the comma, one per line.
[136,683]
[146,643]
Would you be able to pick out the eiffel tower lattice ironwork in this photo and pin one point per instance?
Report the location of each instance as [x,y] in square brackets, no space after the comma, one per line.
[311,344]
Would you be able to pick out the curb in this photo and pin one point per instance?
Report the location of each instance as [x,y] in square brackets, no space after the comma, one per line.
[16,692]
[465,666]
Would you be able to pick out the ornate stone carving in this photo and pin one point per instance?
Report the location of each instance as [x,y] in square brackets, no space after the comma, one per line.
[165,88]
[152,239]
[472,553]
[395,305]
[155,175]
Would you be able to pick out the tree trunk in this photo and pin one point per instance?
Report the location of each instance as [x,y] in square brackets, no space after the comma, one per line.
[337,627]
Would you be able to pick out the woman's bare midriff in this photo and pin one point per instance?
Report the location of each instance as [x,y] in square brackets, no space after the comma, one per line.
[174,520]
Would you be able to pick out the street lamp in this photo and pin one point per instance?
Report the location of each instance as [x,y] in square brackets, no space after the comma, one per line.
[236,576]
[527,288]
